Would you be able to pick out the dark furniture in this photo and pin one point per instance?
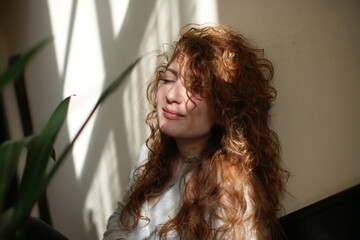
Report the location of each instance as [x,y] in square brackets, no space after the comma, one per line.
[334,218]
[39,230]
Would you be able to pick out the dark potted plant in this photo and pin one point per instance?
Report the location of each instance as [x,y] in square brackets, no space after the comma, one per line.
[15,221]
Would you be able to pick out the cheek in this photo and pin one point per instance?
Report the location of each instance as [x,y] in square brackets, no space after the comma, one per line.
[190,106]
[159,95]
[193,104]
[161,91]
[208,118]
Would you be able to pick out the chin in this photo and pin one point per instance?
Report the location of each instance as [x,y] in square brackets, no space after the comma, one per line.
[168,133]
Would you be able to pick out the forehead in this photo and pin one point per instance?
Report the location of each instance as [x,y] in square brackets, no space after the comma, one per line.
[177,67]
[173,68]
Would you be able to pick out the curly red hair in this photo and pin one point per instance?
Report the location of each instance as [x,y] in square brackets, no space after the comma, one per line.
[237,178]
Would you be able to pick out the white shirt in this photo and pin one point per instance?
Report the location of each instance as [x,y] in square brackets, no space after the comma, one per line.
[166,208]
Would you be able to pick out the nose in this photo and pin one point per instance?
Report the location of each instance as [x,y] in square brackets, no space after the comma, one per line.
[176,93]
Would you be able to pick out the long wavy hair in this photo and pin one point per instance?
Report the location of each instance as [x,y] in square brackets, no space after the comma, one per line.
[235,186]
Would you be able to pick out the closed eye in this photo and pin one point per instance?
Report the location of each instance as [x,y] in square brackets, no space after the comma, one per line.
[165,80]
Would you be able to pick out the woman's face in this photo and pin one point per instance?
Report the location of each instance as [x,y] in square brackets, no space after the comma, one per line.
[181,115]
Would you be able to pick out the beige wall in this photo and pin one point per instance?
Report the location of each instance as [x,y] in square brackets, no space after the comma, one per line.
[314,46]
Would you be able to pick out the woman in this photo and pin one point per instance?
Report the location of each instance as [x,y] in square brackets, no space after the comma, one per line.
[211,165]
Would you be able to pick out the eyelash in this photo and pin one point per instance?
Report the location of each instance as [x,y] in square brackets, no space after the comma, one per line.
[167,80]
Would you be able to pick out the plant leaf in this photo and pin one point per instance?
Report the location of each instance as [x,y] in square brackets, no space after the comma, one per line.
[5,220]
[10,153]
[116,83]
[13,72]
[39,152]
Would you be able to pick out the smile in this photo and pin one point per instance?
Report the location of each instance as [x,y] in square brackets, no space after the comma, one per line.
[172,115]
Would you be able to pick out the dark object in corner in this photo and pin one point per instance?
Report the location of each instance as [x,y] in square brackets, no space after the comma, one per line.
[39,230]
[334,218]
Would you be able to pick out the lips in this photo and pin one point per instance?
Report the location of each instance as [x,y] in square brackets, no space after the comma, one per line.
[173,115]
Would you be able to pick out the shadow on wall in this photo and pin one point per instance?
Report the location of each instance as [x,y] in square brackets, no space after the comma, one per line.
[69,209]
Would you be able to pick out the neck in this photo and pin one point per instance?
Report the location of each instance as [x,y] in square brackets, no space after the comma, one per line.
[188,148]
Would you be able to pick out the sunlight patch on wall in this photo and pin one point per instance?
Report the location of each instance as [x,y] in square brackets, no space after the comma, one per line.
[118,12]
[84,78]
[207,11]
[99,203]
[167,19]
[60,12]
[162,27]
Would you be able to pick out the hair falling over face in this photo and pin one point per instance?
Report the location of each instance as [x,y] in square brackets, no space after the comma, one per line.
[236,184]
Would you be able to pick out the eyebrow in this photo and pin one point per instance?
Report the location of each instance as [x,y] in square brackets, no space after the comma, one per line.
[173,71]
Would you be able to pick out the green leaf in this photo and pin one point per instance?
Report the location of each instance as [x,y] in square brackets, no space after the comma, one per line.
[39,152]
[10,153]
[5,220]
[13,72]
[116,83]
